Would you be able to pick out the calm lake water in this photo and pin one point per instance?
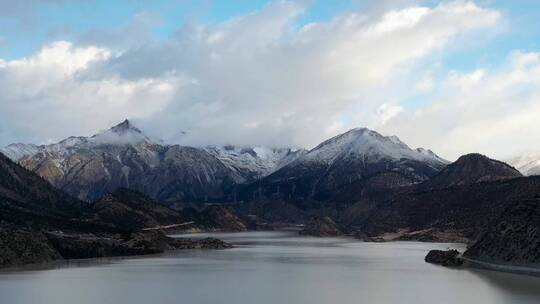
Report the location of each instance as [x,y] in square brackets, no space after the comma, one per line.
[270,267]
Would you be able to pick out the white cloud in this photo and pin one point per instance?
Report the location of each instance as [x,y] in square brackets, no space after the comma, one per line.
[386,112]
[255,80]
[46,95]
[465,81]
[494,112]
[425,83]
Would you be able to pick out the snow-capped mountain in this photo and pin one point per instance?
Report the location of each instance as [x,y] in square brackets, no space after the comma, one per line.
[253,163]
[528,164]
[351,159]
[369,146]
[19,150]
[123,156]
[89,167]
[430,156]
[122,134]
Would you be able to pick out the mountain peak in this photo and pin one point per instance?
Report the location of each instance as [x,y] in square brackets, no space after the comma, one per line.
[472,168]
[124,127]
[367,144]
[123,133]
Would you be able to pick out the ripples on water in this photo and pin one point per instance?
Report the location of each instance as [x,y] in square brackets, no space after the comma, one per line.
[270,267]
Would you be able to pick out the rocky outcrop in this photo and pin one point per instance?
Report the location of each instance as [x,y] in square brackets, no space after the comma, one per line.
[448,258]
[322,227]
[85,246]
[205,243]
[20,246]
[513,238]
[77,246]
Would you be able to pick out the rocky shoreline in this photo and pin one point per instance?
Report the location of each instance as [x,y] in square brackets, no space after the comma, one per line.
[20,247]
[447,258]
[454,259]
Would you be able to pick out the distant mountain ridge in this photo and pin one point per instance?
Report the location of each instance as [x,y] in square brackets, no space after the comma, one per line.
[527,164]
[90,167]
[370,145]
[254,163]
[124,157]
[247,163]
[351,158]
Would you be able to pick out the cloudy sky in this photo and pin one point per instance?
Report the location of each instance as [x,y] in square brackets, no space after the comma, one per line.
[452,76]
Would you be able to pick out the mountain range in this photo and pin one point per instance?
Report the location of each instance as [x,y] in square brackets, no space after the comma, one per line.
[90,167]
[123,156]
[361,183]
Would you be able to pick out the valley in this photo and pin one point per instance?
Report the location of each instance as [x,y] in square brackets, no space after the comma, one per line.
[119,192]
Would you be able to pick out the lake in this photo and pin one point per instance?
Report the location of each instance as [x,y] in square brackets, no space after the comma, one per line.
[269,267]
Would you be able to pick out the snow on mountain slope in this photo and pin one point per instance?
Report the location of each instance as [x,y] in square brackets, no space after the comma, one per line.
[528,164]
[256,162]
[122,134]
[347,165]
[430,156]
[370,146]
[18,151]
[122,156]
